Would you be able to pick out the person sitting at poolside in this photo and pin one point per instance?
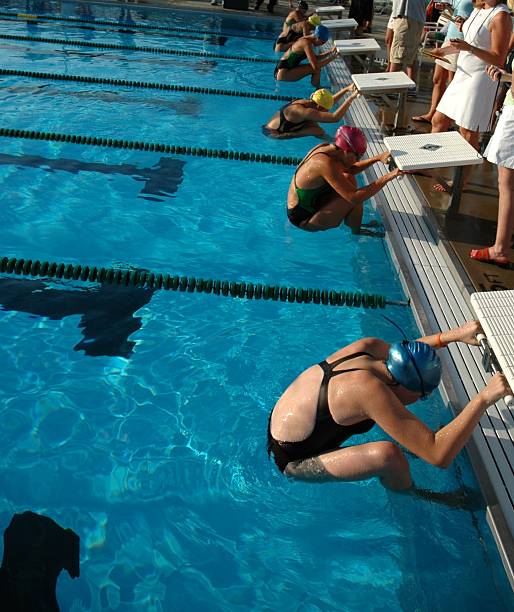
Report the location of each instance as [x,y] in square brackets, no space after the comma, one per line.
[290,68]
[365,383]
[294,32]
[324,193]
[300,117]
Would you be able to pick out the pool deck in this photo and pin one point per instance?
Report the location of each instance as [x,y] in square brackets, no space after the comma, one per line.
[430,249]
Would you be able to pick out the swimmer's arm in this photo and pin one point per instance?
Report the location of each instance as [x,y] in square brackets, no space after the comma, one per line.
[327,117]
[466,333]
[318,61]
[366,163]
[346,190]
[437,448]
[348,89]
[330,55]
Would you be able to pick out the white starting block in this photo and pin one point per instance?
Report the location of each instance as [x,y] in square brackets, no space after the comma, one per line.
[358,47]
[387,83]
[421,151]
[495,311]
[339,25]
[382,82]
[329,10]
[441,150]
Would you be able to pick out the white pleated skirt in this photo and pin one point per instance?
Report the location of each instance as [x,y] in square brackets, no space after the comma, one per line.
[500,150]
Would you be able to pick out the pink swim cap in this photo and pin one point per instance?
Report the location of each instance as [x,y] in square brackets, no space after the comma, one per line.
[351,140]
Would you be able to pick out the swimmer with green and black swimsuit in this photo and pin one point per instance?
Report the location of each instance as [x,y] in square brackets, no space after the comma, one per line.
[301,117]
[324,193]
[370,382]
[290,66]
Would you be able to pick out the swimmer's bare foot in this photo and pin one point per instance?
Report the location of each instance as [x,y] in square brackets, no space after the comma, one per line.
[444,186]
[362,231]
[373,223]
[464,498]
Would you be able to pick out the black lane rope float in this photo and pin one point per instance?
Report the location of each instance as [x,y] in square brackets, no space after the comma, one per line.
[96,141]
[127,24]
[99,45]
[141,84]
[209,39]
[191,284]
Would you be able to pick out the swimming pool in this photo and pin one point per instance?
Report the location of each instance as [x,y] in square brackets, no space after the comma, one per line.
[138,418]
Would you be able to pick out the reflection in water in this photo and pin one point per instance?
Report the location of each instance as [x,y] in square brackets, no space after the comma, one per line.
[107,311]
[161,181]
[36,550]
[189,105]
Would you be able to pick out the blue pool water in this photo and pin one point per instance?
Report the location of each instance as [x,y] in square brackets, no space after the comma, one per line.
[138,419]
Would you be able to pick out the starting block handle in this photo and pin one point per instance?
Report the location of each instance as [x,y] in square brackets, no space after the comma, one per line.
[484,345]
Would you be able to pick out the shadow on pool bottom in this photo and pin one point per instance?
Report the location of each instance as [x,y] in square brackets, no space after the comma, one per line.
[107,311]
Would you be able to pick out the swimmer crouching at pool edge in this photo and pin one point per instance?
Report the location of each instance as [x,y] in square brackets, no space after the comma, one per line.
[323,193]
[362,384]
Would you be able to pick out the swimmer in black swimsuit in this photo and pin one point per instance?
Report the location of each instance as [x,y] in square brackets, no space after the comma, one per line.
[323,193]
[290,67]
[294,31]
[300,117]
[368,382]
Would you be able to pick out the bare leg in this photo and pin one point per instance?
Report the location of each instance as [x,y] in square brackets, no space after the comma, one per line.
[473,138]
[441,123]
[295,74]
[498,253]
[316,78]
[331,215]
[311,128]
[389,41]
[439,87]
[505,210]
[375,459]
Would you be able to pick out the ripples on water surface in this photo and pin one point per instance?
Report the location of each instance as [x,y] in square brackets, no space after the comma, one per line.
[138,418]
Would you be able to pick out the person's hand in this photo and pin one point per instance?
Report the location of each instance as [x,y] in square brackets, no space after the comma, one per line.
[496,388]
[459,22]
[495,73]
[466,333]
[394,173]
[460,45]
[385,157]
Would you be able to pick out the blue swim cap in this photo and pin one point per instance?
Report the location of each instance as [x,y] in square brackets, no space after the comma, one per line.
[322,33]
[415,365]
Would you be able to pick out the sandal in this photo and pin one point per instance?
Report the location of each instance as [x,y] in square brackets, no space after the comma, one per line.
[421,119]
[484,256]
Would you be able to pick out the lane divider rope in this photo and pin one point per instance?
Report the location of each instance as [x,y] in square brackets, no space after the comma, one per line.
[209,38]
[99,45]
[141,26]
[96,141]
[140,84]
[151,280]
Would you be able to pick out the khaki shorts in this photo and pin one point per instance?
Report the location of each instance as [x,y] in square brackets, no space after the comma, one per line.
[452,66]
[407,35]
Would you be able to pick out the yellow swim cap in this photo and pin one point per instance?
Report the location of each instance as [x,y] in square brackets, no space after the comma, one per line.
[324,98]
[314,20]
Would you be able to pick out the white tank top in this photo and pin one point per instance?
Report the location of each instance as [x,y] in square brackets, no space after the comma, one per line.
[476,33]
